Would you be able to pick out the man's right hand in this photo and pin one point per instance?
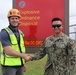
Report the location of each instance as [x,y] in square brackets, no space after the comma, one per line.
[27,57]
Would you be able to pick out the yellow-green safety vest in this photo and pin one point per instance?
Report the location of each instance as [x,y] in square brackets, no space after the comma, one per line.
[8,60]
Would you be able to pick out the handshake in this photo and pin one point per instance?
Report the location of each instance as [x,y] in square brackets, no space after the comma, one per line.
[27,57]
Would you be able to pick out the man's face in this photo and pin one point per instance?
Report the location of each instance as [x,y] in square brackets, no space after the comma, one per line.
[14,21]
[57,26]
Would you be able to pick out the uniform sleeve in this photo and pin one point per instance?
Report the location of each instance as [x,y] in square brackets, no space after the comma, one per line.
[5,39]
[41,53]
[71,56]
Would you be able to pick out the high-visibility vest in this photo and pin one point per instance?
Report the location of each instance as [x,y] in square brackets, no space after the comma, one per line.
[8,60]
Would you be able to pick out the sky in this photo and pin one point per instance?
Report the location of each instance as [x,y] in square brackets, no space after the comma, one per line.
[72,8]
[72,12]
[5,6]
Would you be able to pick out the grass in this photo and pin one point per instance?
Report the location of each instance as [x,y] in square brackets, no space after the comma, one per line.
[35,67]
[0,71]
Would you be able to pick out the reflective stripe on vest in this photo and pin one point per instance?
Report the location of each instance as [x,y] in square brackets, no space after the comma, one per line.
[8,60]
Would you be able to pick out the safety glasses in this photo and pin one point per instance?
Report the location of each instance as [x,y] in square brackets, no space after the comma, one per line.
[56,25]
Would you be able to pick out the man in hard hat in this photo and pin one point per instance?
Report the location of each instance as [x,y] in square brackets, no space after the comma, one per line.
[13,50]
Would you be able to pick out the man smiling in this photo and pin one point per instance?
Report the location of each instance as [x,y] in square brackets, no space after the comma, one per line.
[13,50]
[61,52]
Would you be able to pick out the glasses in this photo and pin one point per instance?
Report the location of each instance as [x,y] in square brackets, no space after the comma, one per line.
[56,25]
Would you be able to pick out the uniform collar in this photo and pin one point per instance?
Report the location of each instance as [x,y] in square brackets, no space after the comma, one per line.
[13,28]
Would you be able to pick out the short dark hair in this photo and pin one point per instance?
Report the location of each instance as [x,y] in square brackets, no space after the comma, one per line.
[56,19]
